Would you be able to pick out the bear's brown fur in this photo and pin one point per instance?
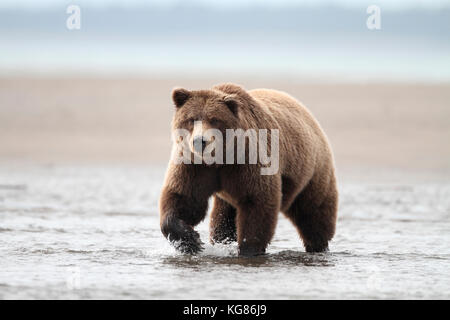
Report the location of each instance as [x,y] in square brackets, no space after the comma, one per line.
[246,203]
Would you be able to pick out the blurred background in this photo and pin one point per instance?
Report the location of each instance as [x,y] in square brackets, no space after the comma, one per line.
[101,93]
[85,138]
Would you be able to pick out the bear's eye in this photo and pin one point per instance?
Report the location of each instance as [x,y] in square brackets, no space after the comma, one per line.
[214,121]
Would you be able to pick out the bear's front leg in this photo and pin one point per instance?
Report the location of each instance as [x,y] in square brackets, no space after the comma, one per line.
[179,214]
[256,221]
[223,222]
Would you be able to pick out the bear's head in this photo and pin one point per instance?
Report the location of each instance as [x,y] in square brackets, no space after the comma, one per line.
[205,115]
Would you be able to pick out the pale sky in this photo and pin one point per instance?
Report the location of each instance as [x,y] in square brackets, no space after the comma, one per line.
[384,4]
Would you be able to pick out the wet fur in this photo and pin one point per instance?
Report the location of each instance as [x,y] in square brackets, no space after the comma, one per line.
[246,203]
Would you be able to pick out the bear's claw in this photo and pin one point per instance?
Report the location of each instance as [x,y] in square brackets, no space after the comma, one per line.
[182,236]
[189,242]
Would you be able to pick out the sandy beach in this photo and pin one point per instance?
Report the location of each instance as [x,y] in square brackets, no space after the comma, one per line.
[390,127]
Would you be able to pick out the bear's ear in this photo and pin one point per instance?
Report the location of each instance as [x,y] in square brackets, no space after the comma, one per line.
[232,103]
[180,96]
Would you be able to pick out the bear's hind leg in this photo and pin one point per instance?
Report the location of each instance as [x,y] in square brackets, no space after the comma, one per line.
[222,225]
[314,215]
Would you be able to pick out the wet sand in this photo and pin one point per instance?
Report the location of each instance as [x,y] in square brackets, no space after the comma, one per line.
[374,128]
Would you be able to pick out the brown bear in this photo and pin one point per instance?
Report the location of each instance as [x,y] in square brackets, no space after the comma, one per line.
[247,202]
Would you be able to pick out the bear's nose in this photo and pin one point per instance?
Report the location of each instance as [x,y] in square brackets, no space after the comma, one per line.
[200,143]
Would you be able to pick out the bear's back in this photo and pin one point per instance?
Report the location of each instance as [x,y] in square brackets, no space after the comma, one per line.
[285,108]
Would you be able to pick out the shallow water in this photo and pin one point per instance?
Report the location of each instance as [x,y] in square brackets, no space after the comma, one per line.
[93,232]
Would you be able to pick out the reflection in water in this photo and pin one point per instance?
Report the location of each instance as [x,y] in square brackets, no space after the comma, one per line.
[274,260]
[103,222]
